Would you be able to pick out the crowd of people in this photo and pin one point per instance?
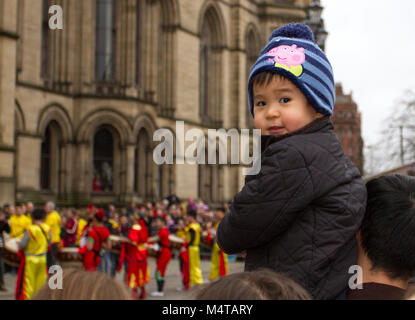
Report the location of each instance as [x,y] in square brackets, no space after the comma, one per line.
[112,240]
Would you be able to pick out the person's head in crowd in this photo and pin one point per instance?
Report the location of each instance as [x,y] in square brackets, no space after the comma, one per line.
[84,285]
[111,208]
[19,210]
[180,224]
[69,213]
[386,237]
[116,216]
[160,222]
[38,215]
[99,217]
[11,210]
[262,284]
[220,213]
[123,220]
[30,207]
[2,215]
[23,207]
[191,216]
[132,204]
[50,207]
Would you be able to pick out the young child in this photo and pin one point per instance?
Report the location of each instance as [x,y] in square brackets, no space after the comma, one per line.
[300,214]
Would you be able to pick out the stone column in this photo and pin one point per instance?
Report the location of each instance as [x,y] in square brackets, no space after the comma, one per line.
[8,43]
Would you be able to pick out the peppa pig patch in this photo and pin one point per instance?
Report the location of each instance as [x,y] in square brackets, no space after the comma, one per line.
[289,58]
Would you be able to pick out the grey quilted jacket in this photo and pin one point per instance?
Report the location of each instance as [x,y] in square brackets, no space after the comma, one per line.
[300,214]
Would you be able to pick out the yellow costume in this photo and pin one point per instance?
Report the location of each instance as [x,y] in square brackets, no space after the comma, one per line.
[53,220]
[17,225]
[194,255]
[35,269]
[219,261]
[81,225]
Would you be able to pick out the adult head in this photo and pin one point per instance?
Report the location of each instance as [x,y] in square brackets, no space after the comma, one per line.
[386,237]
[30,207]
[50,207]
[263,284]
[38,215]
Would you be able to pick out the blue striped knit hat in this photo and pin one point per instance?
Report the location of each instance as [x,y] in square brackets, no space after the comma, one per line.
[292,53]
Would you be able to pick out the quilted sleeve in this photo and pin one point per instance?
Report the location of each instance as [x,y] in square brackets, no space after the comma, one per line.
[268,204]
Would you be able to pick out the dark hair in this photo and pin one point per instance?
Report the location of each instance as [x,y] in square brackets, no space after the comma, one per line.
[265,78]
[161,219]
[262,284]
[38,214]
[192,213]
[221,209]
[387,231]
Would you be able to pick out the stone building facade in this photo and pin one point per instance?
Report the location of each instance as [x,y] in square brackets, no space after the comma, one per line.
[347,124]
[79,106]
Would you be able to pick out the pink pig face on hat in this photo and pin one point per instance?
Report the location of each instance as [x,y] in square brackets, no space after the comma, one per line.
[288,55]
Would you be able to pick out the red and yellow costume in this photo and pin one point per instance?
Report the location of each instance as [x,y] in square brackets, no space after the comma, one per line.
[92,258]
[136,255]
[195,273]
[32,272]
[219,260]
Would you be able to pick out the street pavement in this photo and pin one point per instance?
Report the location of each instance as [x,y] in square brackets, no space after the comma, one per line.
[173,281]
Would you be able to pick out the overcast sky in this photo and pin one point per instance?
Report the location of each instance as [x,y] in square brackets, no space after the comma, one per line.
[371,46]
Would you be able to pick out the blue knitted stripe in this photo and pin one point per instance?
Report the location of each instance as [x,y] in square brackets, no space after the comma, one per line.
[321,86]
[317,99]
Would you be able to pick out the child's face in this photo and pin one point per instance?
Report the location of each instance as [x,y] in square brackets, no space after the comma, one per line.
[280,107]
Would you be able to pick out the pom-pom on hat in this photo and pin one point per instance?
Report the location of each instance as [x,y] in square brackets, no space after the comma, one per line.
[292,53]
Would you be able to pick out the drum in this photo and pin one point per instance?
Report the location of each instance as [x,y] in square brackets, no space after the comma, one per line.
[11,246]
[175,242]
[115,244]
[70,258]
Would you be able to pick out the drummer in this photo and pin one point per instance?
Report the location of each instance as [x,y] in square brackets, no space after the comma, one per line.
[32,271]
[163,254]
[18,222]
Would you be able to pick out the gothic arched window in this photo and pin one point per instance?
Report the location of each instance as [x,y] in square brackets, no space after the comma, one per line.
[50,158]
[103,161]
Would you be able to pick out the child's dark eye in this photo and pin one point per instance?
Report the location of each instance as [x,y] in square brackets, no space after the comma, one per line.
[260,104]
[285,100]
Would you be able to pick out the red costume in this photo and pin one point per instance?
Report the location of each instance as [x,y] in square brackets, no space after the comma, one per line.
[92,257]
[71,231]
[136,255]
[164,255]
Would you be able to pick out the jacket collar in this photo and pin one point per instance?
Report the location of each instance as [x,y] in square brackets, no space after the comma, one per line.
[320,124]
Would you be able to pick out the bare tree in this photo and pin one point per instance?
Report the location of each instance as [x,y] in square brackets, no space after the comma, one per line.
[397,144]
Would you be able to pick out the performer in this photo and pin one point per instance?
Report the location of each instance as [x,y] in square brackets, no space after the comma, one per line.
[163,254]
[81,226]
[193,240]
[33,249]
[53,220]
[97,239]
[219,261]
[71,228]
[135,252]
[18,222]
